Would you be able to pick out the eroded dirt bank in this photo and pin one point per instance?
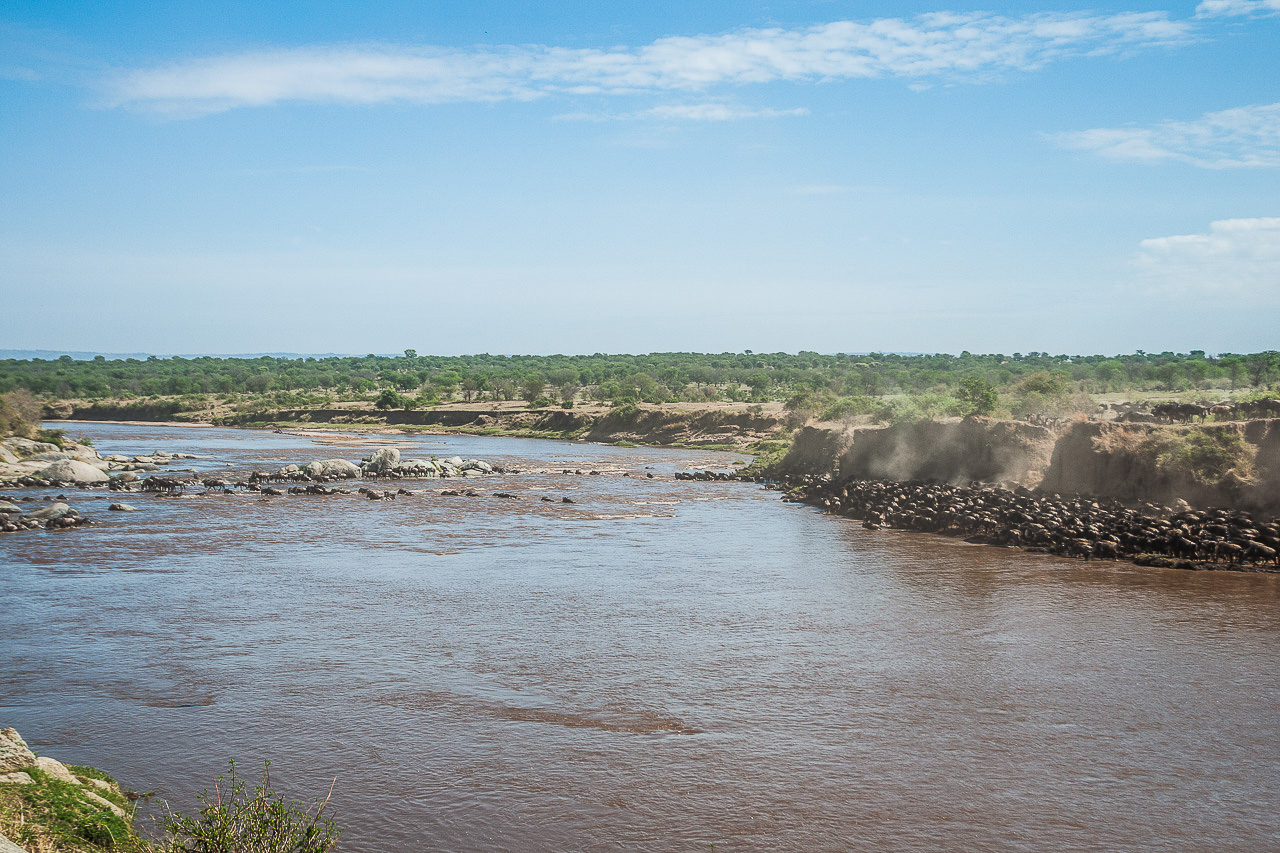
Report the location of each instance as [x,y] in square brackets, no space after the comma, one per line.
[723,428]
[1230,465]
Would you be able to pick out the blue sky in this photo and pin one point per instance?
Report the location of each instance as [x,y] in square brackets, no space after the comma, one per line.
[580,177]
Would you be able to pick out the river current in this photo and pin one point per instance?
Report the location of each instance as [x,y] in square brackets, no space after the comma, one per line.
[657,666]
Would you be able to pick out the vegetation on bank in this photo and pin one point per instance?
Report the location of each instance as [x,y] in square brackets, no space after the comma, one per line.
[20,415]
[49,815]
[1205,455]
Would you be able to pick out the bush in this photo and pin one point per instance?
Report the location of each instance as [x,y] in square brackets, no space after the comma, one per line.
[52,436]
[390,399]
[847,407]
[1206,456]
[625,409]
[19,413]
[235,819]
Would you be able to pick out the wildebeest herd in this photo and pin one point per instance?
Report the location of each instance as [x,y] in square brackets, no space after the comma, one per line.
[1174,412]
[1048,523]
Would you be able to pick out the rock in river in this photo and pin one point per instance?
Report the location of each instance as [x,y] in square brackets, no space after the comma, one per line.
[383,459]
[72,471]
[51,512]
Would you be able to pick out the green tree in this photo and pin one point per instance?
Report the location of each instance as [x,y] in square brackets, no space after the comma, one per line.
[978,395]
[391,399]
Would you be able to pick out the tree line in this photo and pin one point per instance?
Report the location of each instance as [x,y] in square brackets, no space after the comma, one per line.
[655,377]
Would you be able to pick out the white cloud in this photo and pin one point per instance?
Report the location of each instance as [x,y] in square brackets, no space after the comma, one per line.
[1238,257]
[940,45]
[687,112]
[1229,8]
[1245,136]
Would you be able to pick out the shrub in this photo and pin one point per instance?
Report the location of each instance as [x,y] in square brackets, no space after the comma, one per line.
[625,409]
[19,413]
[52,436]
[390,399]
[1206,456]
[235,819]
[847,407]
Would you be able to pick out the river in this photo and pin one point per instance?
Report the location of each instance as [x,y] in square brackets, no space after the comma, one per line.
[658,666]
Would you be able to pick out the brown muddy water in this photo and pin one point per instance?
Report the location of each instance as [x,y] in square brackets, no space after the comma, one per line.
[659,666]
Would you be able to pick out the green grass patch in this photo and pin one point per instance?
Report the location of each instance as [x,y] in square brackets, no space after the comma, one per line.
[55,815]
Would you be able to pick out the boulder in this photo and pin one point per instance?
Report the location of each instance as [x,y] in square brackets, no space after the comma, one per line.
[116,457]
[14,754]
[476,465]
[27,447]
[72,471]
[7,456]
[382,460]
[51,512]
[334,468]
[103,801]
[122,508]
[420,467]
[56,769]
[17,777]
[5,506]
[125,477]
[455,461]
[50,456]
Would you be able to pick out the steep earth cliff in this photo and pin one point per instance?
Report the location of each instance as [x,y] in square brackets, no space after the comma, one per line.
[1231,464]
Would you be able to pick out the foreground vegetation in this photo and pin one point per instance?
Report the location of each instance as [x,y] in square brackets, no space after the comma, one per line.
[49,815]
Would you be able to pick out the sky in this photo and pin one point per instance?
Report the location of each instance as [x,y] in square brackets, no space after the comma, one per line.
[466,176]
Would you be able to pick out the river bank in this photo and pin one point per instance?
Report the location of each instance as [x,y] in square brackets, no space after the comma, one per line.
[1091,490]
[708,426]
[50,807]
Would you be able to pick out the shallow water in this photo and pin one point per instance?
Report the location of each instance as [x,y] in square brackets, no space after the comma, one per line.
[659,666]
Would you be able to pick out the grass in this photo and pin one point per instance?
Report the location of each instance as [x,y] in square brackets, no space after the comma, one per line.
[51,816]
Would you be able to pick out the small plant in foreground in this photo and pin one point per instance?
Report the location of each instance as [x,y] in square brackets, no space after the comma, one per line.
[235,819]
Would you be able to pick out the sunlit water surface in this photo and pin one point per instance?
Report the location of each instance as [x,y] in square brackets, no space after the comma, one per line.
[658,666]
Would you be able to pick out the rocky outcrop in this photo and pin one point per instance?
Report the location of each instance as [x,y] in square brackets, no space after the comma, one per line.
[381,461]
[34,463]
[72,471]
[341,469]
[14,752]
[56,769]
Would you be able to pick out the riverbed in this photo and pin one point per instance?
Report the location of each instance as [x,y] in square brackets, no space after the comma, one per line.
[659,665]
